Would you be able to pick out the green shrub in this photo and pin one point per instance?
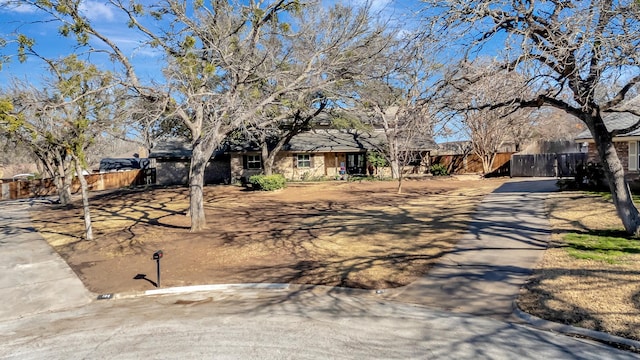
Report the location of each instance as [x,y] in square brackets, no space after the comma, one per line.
[267,182]
[438,170]
[590,177]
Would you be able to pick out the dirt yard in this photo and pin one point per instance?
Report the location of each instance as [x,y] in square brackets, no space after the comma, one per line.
[353,234]
[587,293]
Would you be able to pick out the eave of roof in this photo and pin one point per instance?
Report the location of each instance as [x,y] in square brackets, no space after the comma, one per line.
[618,121]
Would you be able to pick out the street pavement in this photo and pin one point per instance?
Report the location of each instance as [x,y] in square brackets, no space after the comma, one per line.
[279,324]
[458,311]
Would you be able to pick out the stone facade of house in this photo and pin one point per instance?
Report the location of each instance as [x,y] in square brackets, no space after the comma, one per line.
[321,166]
[313,155]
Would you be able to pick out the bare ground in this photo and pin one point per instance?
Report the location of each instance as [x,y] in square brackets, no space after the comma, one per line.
[586,293]
[352,234]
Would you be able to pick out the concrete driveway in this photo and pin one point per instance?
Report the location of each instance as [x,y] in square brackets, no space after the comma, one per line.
[483,274]
[34,277]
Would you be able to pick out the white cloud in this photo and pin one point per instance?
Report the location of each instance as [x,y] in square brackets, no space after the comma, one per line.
[97,11]
[375,5]
[129,41]
[17,8]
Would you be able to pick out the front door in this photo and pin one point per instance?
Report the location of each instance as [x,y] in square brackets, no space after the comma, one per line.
[356,164]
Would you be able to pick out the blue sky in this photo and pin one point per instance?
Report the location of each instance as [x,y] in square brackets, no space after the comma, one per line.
[51,44]
[112,23]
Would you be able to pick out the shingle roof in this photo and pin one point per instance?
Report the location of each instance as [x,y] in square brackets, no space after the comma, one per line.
[331,140]
[325,140]
[618,120]
[335,141]
[171,148]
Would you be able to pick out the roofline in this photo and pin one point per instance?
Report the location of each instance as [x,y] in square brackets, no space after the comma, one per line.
[615,139]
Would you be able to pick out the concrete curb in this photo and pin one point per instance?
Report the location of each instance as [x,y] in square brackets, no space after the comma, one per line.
[573,330]
[195,288]
[242,286]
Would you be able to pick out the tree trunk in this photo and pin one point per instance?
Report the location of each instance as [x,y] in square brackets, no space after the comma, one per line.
[54,171]
[395,169]
[64,196]
[85,200]
[400,184]
[487,162]
[267,159]
[64,192]
[202,151]
[627,211]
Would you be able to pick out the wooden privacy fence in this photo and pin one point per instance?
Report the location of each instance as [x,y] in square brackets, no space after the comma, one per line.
[471,163]
[21,189]
[546,165]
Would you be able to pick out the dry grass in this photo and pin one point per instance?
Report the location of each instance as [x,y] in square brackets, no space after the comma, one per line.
[360,235]
[594,294]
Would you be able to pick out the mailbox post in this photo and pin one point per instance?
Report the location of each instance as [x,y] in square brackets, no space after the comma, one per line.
[157,256]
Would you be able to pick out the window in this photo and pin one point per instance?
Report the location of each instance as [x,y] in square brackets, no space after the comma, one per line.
[304,161]
[253,162]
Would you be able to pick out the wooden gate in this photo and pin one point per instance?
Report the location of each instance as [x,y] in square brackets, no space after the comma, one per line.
[546,165]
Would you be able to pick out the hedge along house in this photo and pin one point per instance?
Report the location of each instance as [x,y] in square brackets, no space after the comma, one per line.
[316,154]
[627,145]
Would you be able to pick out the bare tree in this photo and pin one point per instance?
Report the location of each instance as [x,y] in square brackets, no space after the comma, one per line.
[60,121]
[553,124]
[569,50]
[397,97]
[297,116]
[25,124]
[490,129]
[349,42]
[147,122]
[221,55]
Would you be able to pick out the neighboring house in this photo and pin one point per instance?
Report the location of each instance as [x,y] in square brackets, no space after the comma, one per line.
[171,159]
[316,154]
[627,145]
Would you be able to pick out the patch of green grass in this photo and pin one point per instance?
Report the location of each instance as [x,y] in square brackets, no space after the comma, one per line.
[611,246]
[607,195]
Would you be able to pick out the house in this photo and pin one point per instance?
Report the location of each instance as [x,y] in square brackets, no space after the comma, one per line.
[627,145]
[315,154]
[325,153]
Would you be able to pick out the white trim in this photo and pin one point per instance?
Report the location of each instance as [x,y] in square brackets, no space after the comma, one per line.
[633,156]
[255,160]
